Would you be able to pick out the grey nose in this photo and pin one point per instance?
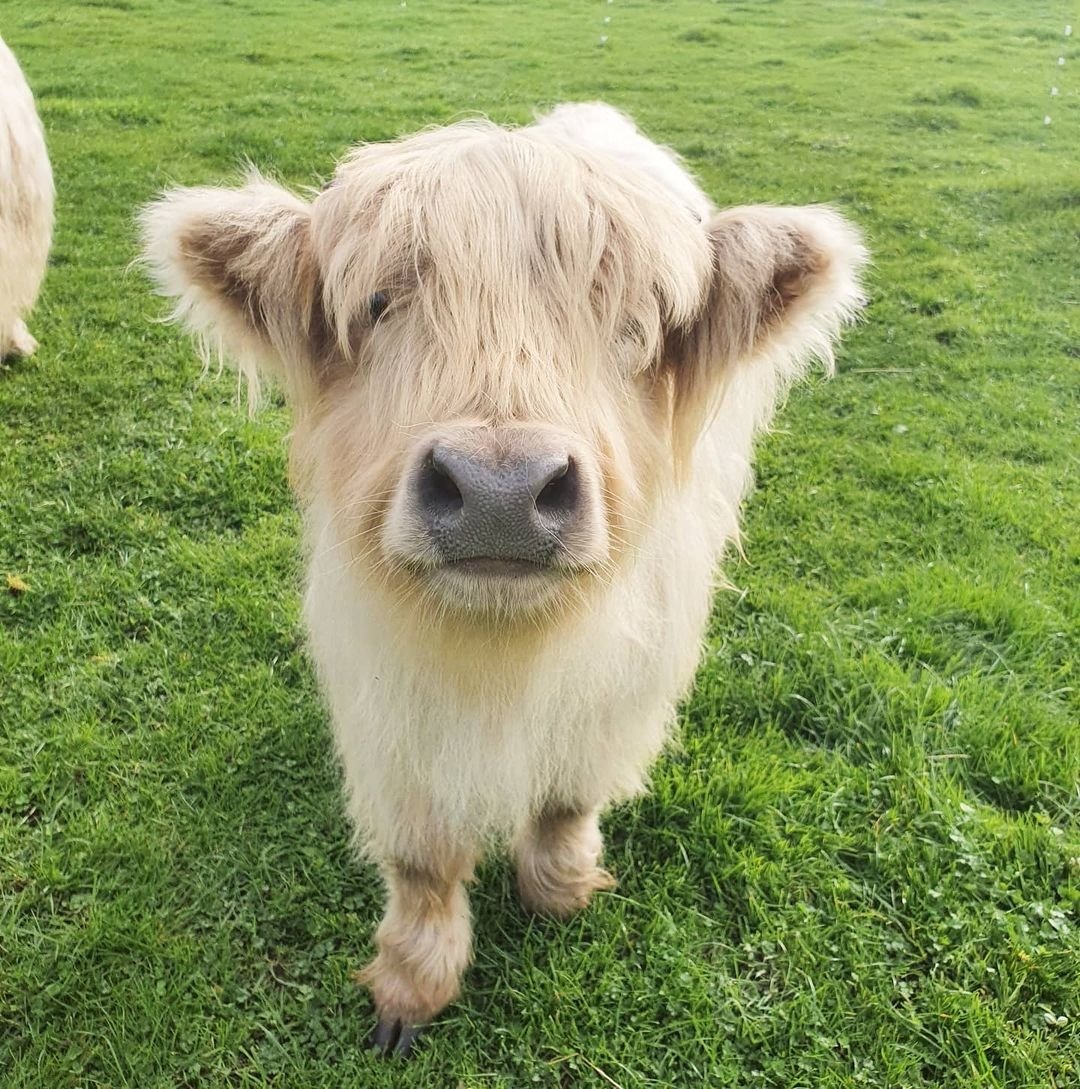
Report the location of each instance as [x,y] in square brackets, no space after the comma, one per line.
[480,505]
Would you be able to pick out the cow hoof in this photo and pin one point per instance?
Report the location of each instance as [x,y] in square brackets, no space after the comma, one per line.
[392,1036]
[22,344]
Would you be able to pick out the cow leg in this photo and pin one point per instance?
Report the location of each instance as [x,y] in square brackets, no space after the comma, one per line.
[424,945]
[558,861]
[20,343]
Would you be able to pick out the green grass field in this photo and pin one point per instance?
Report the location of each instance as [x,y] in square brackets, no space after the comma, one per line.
[861,867]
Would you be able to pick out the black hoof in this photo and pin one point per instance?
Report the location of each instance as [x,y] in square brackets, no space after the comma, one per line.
[392,1037]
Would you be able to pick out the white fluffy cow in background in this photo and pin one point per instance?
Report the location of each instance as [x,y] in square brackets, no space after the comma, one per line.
[526,368]
[26,206]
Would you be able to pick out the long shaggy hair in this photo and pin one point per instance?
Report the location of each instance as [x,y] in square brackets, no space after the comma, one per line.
[26,206]
[565,284]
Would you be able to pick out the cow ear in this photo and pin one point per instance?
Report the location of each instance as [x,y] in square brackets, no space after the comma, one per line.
[783,283]
[241,266]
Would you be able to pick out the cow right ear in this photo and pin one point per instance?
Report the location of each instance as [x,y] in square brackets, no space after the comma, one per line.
[241,266]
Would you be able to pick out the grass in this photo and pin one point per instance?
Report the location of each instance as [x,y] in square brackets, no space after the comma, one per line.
[861,867]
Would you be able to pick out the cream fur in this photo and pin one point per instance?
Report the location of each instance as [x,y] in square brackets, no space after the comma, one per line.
[571,276]
[26,206]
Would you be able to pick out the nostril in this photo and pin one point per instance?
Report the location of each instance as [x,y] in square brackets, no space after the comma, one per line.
[438,491]
[559,496]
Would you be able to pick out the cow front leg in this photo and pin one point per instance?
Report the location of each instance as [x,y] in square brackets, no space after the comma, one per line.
[424,945]
[558,861]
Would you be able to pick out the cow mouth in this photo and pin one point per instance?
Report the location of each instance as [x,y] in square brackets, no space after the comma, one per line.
[491,567]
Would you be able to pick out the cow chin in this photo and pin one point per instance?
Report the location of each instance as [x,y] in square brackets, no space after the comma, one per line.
[489,590]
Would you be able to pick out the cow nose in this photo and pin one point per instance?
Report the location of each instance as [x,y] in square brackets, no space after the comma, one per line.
[507,507]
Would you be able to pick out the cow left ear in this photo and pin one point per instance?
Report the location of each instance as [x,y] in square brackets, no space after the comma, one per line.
[783,282]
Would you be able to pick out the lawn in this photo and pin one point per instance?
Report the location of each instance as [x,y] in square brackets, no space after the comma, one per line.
[861,867]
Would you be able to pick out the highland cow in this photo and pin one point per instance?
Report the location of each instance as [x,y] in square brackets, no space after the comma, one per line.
[26,207]
[526,368]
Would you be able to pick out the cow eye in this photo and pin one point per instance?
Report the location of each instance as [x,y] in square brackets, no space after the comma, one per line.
[377,305]
[633,333]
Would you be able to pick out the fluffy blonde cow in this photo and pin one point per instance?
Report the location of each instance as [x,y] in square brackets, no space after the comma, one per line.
[26,206]
[526,368]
